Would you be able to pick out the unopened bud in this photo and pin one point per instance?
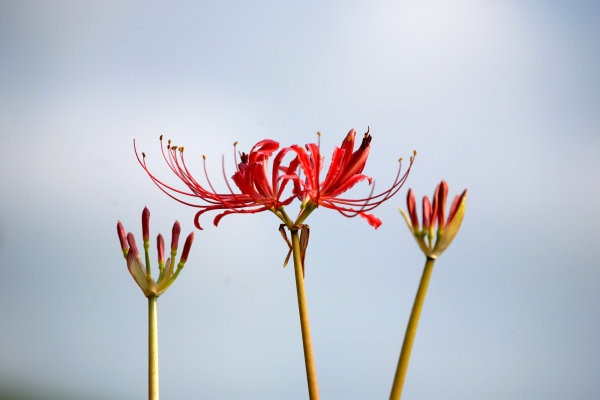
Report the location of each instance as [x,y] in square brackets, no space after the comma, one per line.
[160,245]
[412,210]
[122,236]
[427,213]
[186,247]
[132,246]
[442,195]
[146,224]
[434,206]
[455,204]
[175,235]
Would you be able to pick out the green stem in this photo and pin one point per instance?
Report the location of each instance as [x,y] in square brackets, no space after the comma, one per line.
[411,331]
[147,253]
[152,348]
[309,360]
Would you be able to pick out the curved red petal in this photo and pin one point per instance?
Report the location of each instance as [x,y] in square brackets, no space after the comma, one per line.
[371,219]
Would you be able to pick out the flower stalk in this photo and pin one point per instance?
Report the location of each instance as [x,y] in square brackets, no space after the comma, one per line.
[151,288]
[411,331]
[445,233]
[309,359]
[152,348]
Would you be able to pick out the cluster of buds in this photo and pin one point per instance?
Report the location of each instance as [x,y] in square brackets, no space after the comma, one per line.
[434,243]
[140,272]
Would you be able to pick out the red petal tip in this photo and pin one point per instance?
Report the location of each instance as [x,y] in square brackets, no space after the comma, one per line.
[160,245]
[122,235]
[132,245]
[146,224]
[372,220]
[187,246]
[175,235]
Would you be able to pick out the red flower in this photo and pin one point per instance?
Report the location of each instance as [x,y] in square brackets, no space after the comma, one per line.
[344,172]
[260,191]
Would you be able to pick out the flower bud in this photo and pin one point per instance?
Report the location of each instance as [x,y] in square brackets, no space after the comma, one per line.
[427,213]
[122,236]
[132,246]
[160,245]
[455,204]
[145,224]
[434,207]
[446,230]
[442,194]
[175,235]
[412,209]
[186,247]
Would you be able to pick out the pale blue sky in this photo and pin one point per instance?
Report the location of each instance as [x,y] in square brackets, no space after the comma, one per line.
[499,97]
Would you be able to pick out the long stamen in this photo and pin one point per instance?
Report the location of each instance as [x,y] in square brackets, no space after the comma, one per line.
[142,162]
[237,168]
[318,166]
[225,174]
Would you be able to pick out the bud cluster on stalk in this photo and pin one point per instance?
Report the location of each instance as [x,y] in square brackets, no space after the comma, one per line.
[433,242]
[141,271]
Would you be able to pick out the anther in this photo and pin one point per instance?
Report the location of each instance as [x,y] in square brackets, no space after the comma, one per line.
[174,147]
[203,157]
[160,137]
[143,154]
[415,153]
[235,144]
[400,159]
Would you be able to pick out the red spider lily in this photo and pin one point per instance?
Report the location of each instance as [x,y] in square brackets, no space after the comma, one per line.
[446,229]
[259,190]
[344,172]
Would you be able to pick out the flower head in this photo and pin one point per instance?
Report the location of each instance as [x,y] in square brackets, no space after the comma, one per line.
[446,228]
[344,172]
[259,189]
[141,273]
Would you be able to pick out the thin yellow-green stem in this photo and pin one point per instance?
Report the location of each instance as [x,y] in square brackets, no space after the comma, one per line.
[152,348]
[147,253]
[309,360]
[411,331]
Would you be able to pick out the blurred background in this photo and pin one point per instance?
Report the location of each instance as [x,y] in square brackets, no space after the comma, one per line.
[501,98]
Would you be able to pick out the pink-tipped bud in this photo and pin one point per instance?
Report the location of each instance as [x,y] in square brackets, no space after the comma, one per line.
[175,235]
[122,236]
[434,207]
[132,246]
[412,209]
[146,224]
[441,212]
[427,213]
[160,245]
[186,247]
[455,204]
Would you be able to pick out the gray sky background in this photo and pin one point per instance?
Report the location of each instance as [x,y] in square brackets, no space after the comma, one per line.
[499,97]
